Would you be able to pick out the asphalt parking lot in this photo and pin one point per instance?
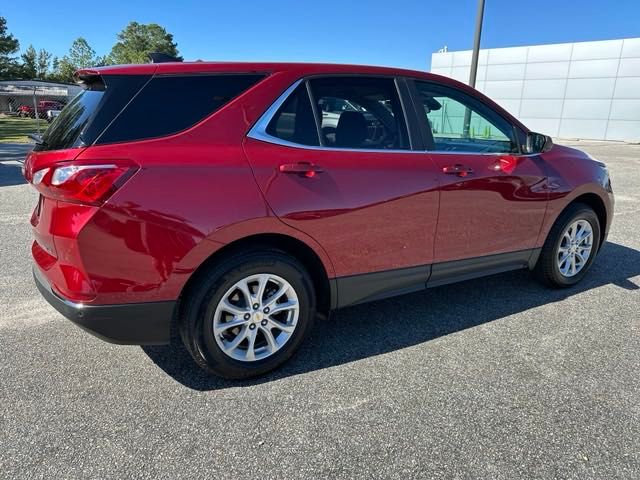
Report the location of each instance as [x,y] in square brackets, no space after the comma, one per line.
[493,378]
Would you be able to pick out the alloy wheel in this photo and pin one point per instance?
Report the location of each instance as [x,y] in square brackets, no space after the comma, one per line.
[575,248]
[256,317]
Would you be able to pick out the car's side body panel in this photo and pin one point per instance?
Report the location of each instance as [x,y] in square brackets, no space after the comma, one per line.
[372,286]
[572,174]
[498,208]
[371,211]
[160,242]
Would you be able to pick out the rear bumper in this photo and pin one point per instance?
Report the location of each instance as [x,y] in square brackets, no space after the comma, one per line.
[128,324]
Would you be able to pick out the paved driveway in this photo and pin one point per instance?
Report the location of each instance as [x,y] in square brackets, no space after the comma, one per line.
[14,151]
[493,378]
[11,156]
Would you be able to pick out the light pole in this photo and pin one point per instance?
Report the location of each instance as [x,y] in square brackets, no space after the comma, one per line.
[476,44]
[35,109]
[474,62]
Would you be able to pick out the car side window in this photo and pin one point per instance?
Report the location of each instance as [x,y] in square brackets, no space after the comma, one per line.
[294,120]
[459,124]
[168,104]
[359,113]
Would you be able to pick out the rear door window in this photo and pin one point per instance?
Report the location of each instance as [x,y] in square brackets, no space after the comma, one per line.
[360,113]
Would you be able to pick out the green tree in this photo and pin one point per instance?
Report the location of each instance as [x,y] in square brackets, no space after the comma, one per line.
[138,40]
[44,60]
[102,61]
[80,55]
[55,67]
[30,63]
[9,67]
[65,70]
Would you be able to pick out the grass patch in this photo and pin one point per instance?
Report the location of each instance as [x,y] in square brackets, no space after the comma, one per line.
[16,129]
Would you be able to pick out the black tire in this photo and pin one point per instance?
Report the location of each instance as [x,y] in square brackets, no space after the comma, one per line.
[198,309]
[546,269]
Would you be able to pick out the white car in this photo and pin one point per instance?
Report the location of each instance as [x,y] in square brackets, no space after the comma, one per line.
[52,114]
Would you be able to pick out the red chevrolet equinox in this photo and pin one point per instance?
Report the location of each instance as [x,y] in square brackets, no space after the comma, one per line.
[230,204]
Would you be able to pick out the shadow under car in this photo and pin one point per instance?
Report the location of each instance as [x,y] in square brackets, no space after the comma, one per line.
[411,319]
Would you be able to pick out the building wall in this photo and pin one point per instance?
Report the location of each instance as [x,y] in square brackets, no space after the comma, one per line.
[588,90]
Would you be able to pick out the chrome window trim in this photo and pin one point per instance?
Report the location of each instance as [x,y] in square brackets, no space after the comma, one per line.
[259,129]
[259,132]
[454,152]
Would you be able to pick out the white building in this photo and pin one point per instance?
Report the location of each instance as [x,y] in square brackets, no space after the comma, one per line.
[586,90]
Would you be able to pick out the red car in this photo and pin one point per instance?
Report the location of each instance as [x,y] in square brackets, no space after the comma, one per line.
[43,107]
[236,216]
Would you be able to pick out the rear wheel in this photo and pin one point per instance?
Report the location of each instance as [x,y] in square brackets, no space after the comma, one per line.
[570,248]
[249,314]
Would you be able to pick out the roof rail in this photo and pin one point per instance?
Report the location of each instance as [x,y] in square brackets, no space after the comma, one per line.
[158,57]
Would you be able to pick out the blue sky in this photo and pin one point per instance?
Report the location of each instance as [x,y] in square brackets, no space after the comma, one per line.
[400,33]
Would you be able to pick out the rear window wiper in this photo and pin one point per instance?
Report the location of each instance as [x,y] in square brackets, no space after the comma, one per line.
[37,138]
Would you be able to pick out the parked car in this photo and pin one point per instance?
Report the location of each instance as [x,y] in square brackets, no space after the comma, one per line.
[25,111]
[43,107]
[52,114]
[235,222]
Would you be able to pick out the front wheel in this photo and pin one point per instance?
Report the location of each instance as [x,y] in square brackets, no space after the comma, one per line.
[570,248]
[248,314]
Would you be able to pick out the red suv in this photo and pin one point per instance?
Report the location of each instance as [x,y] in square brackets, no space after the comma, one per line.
[231,214]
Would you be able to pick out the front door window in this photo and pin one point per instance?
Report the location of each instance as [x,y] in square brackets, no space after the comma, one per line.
[459,126]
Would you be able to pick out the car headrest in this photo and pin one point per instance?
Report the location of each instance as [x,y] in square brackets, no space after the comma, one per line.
[351,131]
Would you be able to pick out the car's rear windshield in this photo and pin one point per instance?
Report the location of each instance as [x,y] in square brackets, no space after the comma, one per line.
[119,108]
[67,128]
[85,117]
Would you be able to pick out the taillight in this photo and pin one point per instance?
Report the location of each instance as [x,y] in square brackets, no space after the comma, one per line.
[86,184]
[39,175]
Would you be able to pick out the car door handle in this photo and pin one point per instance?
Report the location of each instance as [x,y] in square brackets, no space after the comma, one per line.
[457,169]
[301,168]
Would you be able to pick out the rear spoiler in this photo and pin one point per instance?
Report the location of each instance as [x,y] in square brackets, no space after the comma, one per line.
[89,79]
[89,75]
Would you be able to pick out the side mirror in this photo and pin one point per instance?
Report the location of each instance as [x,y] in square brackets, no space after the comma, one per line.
[538,143]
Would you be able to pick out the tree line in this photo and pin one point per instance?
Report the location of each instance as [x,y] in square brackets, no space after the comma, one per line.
[134,43]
